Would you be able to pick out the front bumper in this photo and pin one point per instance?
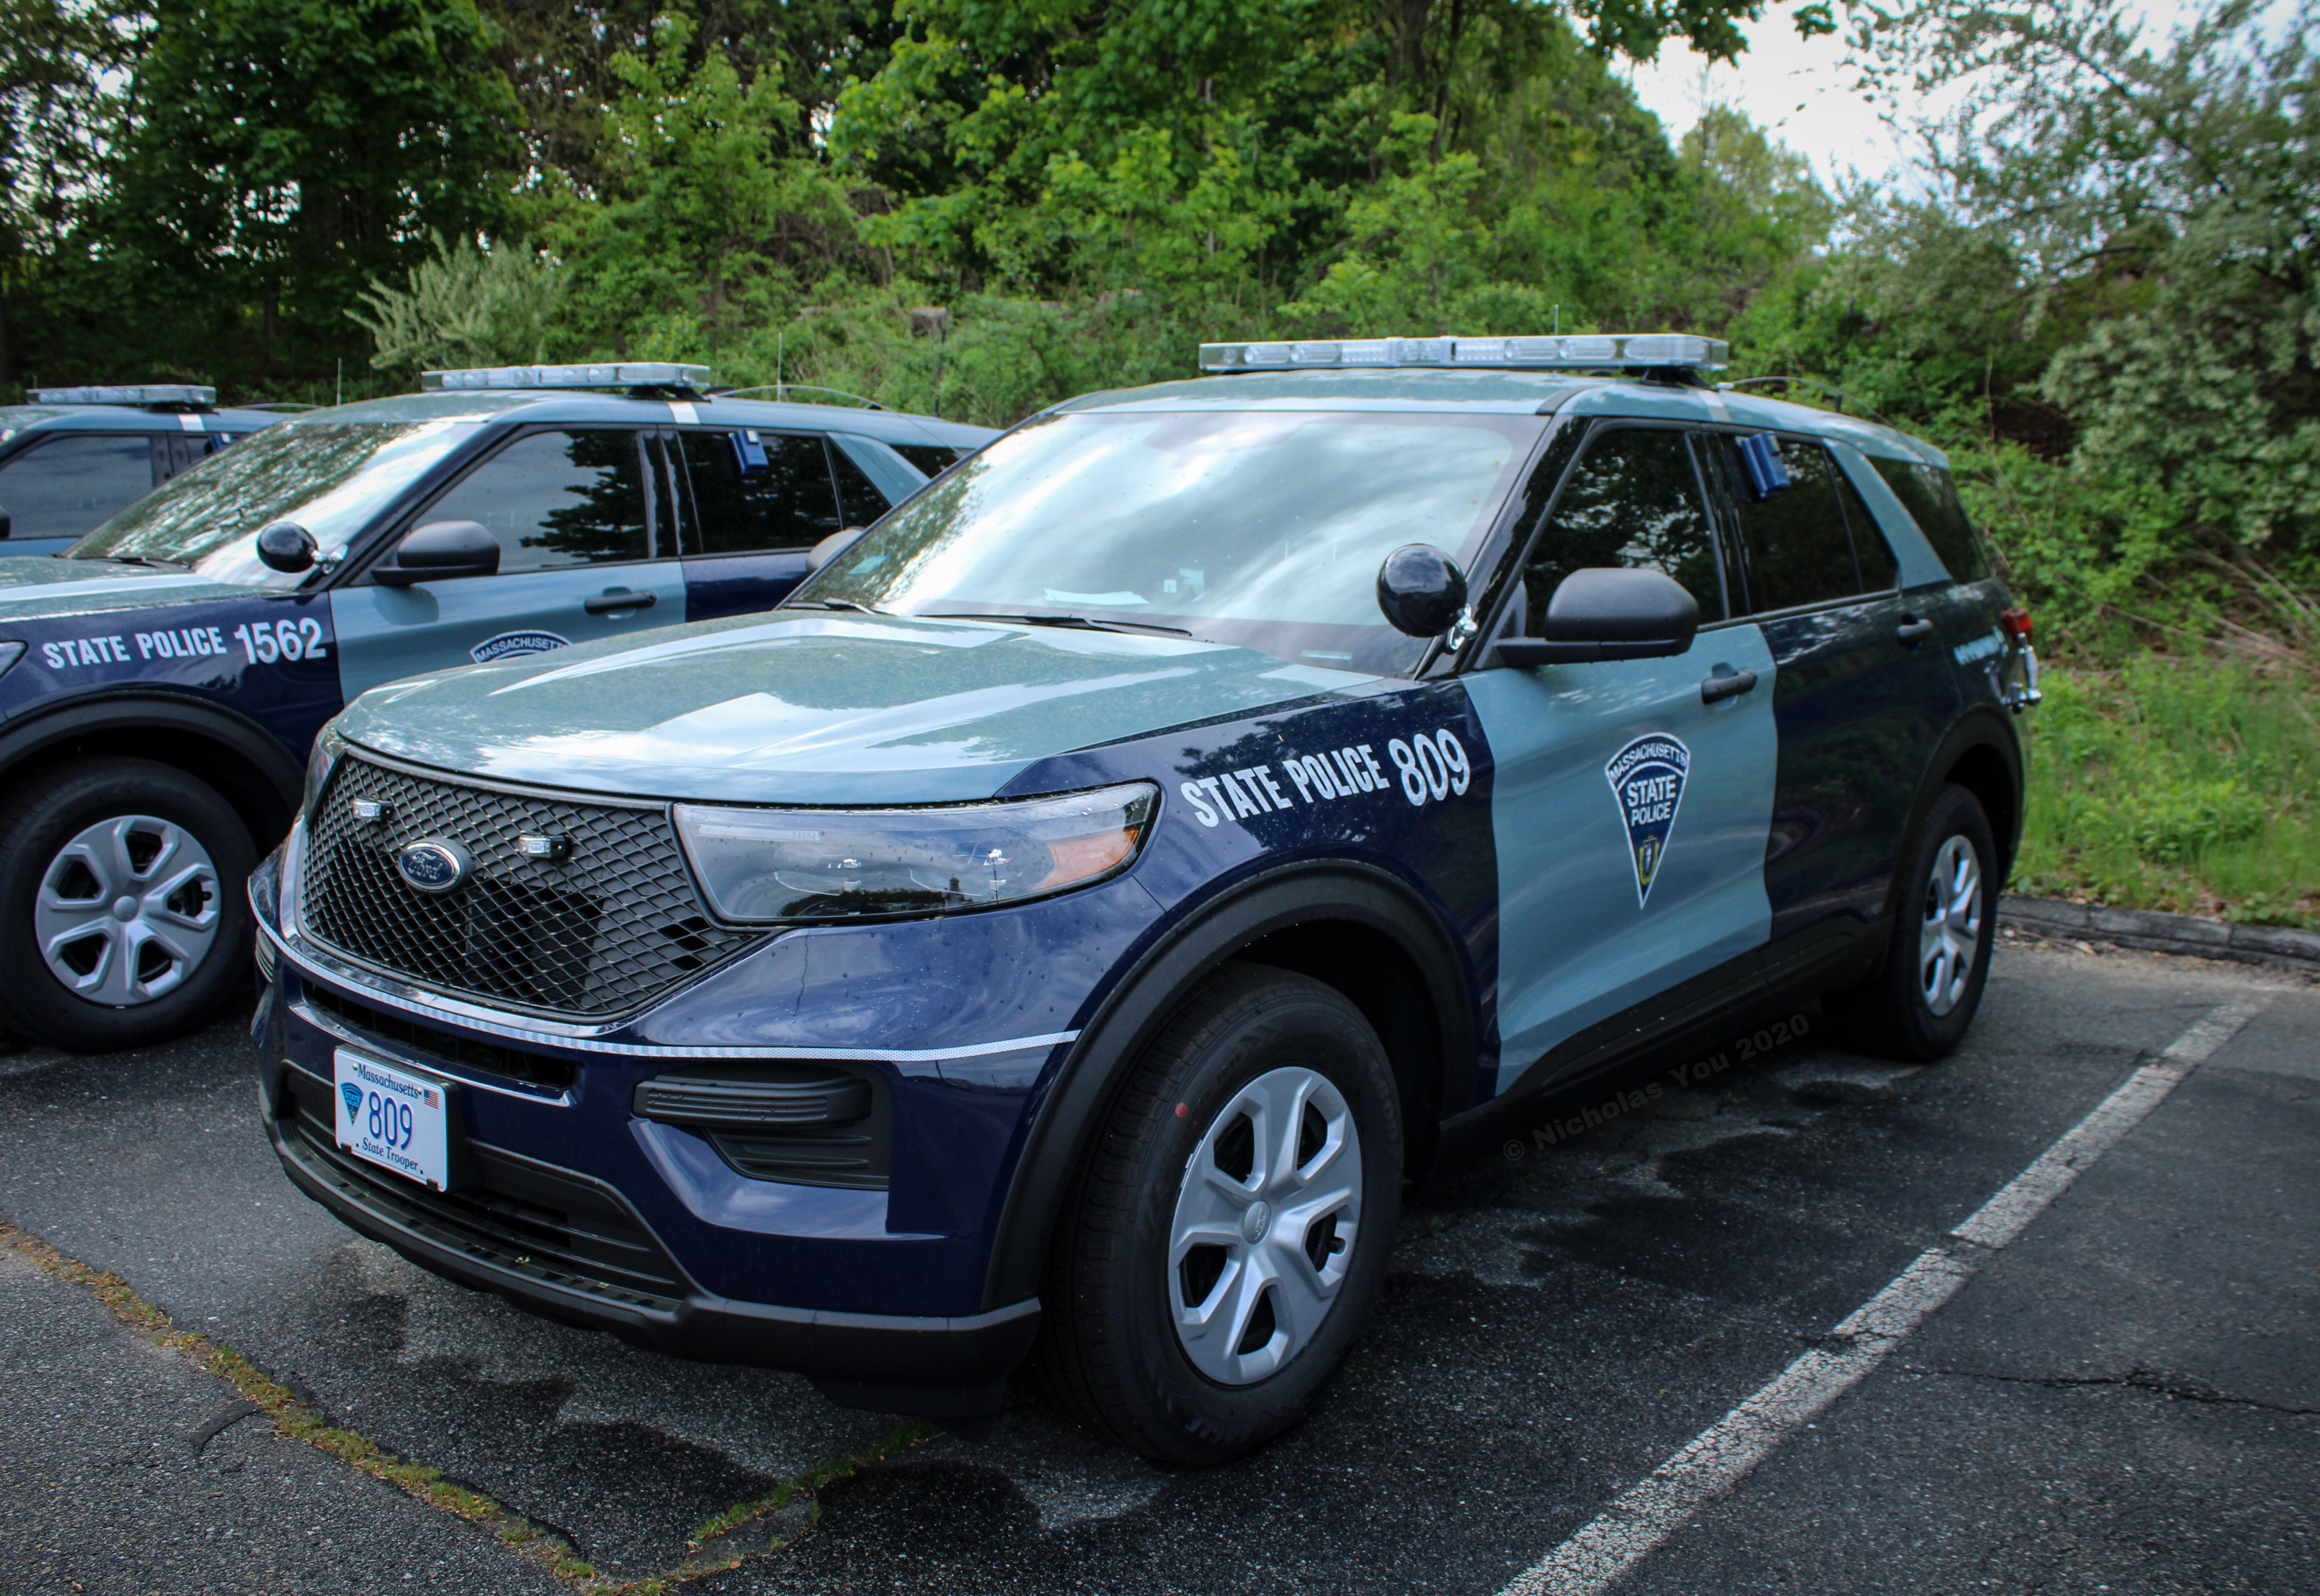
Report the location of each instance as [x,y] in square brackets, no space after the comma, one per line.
[934,1367]
[580,1211]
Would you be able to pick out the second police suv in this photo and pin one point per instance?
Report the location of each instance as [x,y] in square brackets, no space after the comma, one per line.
[1060,928]
[161,684]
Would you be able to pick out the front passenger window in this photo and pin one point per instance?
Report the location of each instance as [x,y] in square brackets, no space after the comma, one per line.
[1633,500]
[559,499]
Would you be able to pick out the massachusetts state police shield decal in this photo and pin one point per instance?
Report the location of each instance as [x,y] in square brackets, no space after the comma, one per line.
[1646,778]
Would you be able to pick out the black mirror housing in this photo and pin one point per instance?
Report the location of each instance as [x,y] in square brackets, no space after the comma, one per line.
[1421,591]
[1605,613]
[286,547]
[6,524]
[441,549]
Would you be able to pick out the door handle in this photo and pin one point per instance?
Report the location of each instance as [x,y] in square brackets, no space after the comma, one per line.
[605,603]
[1913,631]
[1722,685]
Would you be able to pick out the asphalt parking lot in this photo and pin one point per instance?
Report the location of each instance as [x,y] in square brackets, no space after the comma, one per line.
[2124,1397]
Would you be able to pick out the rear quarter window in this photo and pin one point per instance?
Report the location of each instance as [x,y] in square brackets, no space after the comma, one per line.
[1931,498]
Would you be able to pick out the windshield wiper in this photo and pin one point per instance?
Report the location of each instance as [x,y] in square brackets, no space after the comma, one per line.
[861,609]
[154,560]
[1077,622]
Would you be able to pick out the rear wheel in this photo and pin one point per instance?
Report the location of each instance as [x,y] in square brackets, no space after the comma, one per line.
[1227,1234]
[123,917]
[1919,1006]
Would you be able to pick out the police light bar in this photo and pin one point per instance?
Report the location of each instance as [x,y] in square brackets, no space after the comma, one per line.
[624,373]
[1576,352]
[150,394]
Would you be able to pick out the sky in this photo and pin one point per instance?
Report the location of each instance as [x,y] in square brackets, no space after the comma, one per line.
[1797,89]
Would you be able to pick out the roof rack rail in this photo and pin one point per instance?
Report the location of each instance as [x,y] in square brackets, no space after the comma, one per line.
[778,389]
[1813,382]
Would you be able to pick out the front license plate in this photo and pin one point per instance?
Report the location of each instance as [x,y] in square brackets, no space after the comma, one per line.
[392,1118]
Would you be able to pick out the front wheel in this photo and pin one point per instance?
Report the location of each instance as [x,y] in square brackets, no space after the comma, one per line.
[1919,1007]
[123,914]
[1227,1233]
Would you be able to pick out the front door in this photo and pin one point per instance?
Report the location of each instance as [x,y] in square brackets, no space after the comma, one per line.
[587,550]
[1629,814]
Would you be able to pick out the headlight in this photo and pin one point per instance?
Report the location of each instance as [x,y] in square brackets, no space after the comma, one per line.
[319,764]
[764,865]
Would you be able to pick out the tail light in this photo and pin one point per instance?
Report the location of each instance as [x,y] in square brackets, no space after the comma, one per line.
[2016,623]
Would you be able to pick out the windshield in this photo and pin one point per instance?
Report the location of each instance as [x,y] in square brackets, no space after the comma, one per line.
[1258,529]
[330,478]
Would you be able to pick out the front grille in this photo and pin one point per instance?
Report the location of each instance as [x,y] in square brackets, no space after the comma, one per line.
[603,930]
[521,1213]
[379,1025]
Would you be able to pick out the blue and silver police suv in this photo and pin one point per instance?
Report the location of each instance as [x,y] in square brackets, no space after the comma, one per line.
[75,458]
[160,686]
[1062,927]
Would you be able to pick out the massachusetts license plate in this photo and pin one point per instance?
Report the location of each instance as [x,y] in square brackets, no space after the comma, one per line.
[392,1118]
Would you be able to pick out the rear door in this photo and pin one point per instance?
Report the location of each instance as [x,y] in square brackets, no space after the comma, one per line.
[759,500]
[68,484]
[1629,812]
[588,549]
[1863,689]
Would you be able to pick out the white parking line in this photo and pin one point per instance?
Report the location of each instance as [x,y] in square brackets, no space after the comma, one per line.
[1657,1506]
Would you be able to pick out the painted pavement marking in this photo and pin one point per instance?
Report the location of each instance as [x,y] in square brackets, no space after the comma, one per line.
[1657,1506]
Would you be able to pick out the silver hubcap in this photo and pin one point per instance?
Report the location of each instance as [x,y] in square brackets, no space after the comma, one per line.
[126,910]
[1950,935]
[1264,1226]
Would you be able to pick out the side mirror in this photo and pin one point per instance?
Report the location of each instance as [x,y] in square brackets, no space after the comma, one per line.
[286,547]
[1601,613]
[439,549]
[1421,591]
[831,547]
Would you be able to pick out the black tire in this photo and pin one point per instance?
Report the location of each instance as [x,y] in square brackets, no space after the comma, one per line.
[1110,1350]
[1893,1016]
[44,812]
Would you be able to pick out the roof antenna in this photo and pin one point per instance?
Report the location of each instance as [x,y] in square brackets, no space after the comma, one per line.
[1558,321]
[340,398]
[778,338]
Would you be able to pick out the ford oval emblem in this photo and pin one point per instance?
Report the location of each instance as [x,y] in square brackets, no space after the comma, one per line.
[433,863]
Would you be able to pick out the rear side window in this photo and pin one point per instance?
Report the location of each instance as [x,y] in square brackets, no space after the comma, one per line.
[1931,498]
[754,490]
[555,499]
[1632,500]
[933,459]
[65,485]
[1793,538]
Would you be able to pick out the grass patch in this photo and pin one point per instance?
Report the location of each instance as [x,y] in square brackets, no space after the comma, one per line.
[2180,785]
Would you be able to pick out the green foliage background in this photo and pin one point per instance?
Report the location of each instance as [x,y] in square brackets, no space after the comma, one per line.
[2097,292]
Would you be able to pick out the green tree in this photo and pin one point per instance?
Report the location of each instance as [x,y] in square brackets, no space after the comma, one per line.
[466,306]
[703,222]
[54,108]
[282,154]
